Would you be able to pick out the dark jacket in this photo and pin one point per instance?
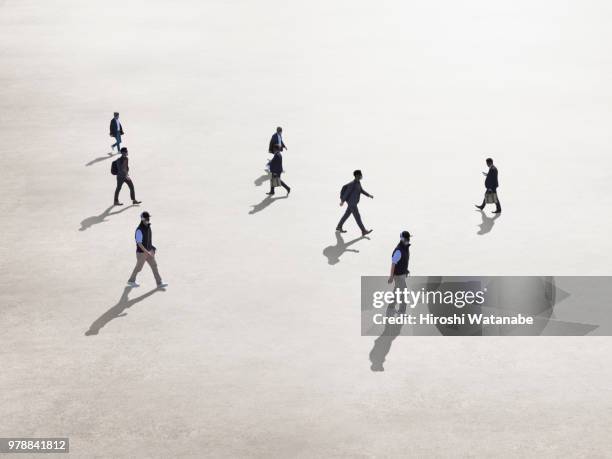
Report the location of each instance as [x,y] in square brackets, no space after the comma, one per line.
[352,192]
[274,144]
[491,182]
[276,164]
[113,128]
[123,167]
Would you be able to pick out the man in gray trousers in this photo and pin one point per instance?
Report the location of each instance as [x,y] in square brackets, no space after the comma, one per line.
[350,193]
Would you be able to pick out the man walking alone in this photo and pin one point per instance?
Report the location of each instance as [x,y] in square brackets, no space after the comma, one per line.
[350,193]
[145,251]
[491,184]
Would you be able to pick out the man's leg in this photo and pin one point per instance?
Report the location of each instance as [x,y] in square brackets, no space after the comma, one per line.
[497,204]
[132,192]
[400,283]
[153,264]
[344,218]
[285,186]
[140,261]
[120,181]
[358,219]
[117,142]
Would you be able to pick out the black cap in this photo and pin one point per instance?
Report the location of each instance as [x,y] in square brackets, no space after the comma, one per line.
[405,235]
[145,214]
[356,173]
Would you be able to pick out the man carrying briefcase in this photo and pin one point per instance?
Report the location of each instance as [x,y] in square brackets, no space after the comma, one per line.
[491,184]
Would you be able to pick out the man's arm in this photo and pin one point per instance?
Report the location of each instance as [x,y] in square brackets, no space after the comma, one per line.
[397,255]
[391,274]
[366,193]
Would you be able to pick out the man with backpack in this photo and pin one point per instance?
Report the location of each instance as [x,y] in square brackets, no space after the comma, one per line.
[350,193]
[121,169]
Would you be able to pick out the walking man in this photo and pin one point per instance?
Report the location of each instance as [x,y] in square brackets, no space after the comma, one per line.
[399,265]
[145,251]
[116,131]
[276,142]
[491,184]
[350,193]
[122,171]
[276,169]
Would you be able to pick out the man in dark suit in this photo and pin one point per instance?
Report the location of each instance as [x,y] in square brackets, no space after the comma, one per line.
[350,193]
[116,131]
[491,184]
[276,142]
[276,169]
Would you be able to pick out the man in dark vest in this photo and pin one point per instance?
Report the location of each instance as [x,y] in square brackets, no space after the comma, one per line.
[145,251]
[399,265]
[350,193]
[123,176]
[116,131]
[491,184]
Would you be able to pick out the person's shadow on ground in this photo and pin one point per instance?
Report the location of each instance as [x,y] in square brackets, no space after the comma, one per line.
[334,252]
[487,223]
[262,179]
[100,159]
[95,219]
[265,203]
[117,310]
[382,346]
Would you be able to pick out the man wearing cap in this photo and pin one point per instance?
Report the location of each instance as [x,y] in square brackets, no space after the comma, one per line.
[145,251]
[116,131]
[350,193]
[399,265]
[123,176]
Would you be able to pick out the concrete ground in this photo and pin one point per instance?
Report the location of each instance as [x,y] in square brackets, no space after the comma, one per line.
[254,350]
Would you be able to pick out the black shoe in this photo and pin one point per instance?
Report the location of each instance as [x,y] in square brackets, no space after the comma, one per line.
[497,211]
[270,194]
[118,204]
[365,233]
[288,191]
[136,202]
[340,230]
[479,207]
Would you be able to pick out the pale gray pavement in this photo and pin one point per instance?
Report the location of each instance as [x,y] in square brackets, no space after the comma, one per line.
[255,350]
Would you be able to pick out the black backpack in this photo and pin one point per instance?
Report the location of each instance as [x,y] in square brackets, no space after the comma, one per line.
[115,167]
[343,190]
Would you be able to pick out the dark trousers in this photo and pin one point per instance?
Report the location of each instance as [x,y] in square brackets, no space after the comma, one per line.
[351,209]
[497,204]
[120,181]
[283,184]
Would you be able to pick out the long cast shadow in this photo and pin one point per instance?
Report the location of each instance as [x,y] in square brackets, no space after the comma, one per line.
[262,179]
[100,159]
[117,310]
[263,204]
[382,345]
[96,219]
[334,252]
[487,223]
